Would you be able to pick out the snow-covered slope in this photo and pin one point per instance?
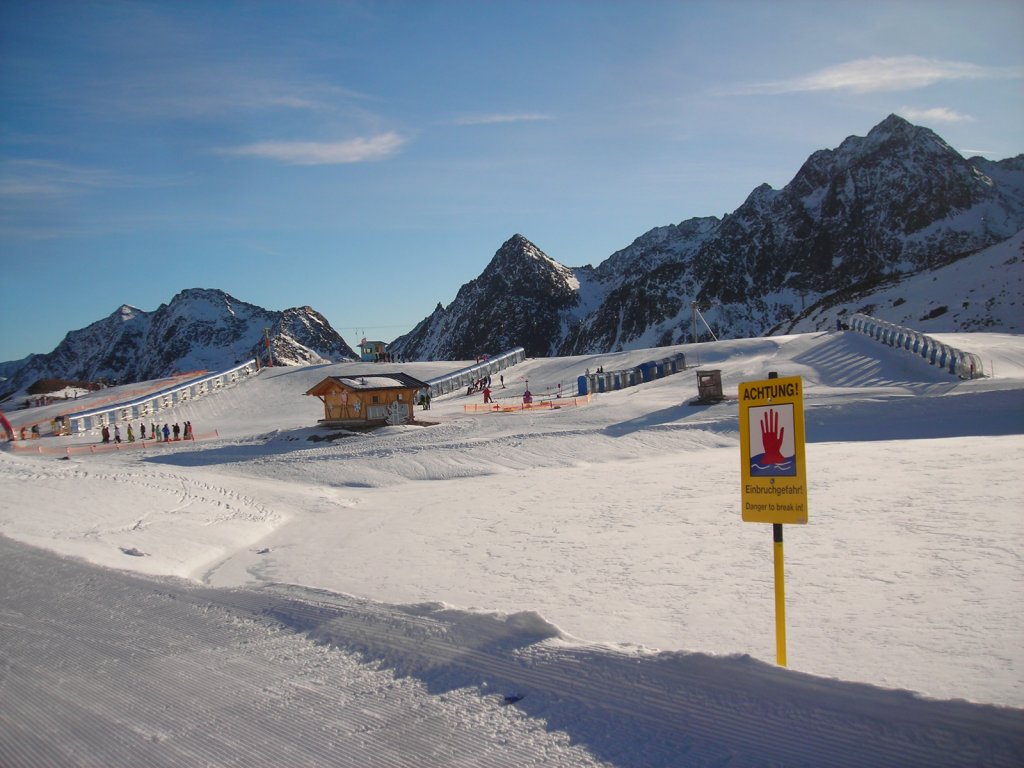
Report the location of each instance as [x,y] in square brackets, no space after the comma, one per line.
[982,292]
[637,455]
[587,562]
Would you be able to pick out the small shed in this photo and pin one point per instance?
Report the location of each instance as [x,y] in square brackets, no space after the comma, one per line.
[368,400]
[373,351]
[709,386]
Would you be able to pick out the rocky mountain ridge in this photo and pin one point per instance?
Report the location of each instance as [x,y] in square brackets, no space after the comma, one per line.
[875,209]
[200,329]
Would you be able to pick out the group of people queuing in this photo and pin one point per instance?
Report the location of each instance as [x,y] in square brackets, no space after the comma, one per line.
[484,385]
[527,395]
[386,357]
[164,433]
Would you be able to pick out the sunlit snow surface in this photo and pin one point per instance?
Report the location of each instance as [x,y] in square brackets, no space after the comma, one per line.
[596,535]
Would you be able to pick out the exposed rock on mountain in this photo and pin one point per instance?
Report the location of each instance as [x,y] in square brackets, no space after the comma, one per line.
[518,300]
[199,329]
[890,204]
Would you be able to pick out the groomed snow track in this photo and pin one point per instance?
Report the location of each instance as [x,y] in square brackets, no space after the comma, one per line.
[103,668]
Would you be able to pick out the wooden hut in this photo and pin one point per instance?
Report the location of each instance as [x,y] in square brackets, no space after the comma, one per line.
[353,401]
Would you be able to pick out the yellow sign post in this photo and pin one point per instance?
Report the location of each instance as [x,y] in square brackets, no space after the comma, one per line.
[774,472]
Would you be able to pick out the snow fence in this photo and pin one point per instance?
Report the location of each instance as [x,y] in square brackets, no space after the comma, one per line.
[154,402]
[966,365]
[456,381]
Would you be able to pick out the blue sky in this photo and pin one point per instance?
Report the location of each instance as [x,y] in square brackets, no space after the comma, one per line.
[368,158]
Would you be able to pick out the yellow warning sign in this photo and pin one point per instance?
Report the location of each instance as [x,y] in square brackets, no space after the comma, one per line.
[774,487]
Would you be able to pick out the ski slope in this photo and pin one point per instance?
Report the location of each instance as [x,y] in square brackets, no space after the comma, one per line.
[589,560]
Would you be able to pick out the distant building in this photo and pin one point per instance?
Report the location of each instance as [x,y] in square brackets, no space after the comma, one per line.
[368,400]
[373,351]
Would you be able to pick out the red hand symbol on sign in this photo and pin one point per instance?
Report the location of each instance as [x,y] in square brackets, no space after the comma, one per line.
[771,438]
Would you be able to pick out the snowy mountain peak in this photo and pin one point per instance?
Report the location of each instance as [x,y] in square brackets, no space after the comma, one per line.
[200,329]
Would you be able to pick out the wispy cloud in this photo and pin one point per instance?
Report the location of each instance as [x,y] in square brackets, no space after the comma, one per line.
[46,178]
[358,150]
[935,115]
[189,94]
[897,73]
[47,232]
[494,119]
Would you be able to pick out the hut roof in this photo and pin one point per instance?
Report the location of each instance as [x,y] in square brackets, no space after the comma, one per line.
[376,381]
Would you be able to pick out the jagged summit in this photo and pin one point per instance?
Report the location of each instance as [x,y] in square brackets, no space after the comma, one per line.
[126,312]
[896,132]
[516,252]
[894,126]
[522,259]
[520,243]
[213,294]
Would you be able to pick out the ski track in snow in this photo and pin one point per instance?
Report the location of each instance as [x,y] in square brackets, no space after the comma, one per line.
[106,668]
